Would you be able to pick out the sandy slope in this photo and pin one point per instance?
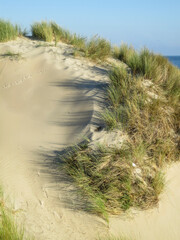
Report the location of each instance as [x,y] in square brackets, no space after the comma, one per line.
[45,108]
[48,101]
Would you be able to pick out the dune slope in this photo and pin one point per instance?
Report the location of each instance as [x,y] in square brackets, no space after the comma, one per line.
[44,109]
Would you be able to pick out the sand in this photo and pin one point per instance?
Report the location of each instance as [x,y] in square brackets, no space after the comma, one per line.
[48,101]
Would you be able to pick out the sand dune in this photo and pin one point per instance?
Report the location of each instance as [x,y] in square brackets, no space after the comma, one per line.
[45,108]
[48,101]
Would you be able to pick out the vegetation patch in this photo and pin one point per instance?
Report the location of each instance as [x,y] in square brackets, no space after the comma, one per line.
[65,36]
[96,48]
[42,31]
[115,179]
[145,105]
[12,55]
[8,227]
[8,31]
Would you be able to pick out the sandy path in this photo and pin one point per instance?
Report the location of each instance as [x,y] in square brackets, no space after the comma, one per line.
[48,101]
[45,108]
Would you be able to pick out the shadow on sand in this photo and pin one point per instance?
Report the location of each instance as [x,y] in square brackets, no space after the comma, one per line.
[50,162]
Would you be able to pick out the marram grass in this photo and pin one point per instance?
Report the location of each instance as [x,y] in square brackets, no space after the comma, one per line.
[117,179]
[9,230]
[42,31]
[8,31]
[95,49]
[110,180]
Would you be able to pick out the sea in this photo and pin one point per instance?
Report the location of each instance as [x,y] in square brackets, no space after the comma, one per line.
[175,60]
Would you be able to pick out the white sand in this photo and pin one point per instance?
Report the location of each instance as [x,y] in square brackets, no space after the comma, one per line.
[48,101]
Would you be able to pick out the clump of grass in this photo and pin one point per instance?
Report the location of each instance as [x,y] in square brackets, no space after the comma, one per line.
[8,31]
[146,63]
[123,53]
[63,35]
[57,32]
[8,227]
[42,31]
[122,89]
[78,41]
[12,55]
[52,31]
[97,49]
[107,176]
[140,63]
[111,118]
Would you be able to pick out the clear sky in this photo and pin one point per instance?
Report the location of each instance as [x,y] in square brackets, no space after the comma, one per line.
[151,23]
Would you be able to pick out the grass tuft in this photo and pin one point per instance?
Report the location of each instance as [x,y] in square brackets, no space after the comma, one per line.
[8,226]
[97,49]
[12,55]
[123,53]
[108,178]
[42,31]
[8,31]
[63,35]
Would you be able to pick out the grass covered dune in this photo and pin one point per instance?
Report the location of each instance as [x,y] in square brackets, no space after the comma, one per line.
[96,48]
[143,100]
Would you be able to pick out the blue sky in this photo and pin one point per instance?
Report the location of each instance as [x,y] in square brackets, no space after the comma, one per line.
[151,23]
